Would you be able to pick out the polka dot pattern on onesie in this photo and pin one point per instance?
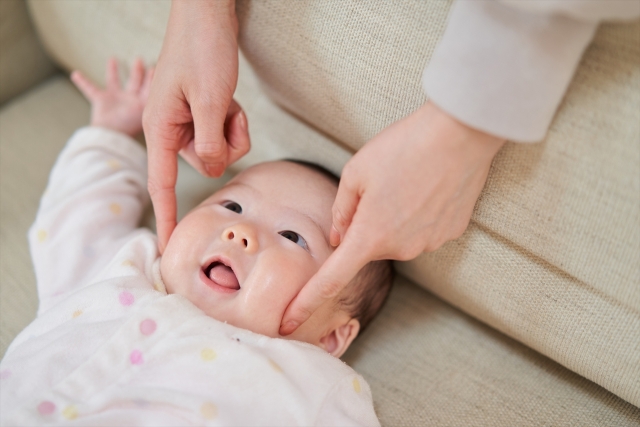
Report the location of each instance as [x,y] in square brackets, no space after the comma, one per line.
[46,408]
[148,326]
[5,374]
[76,313]
[70,412]
[126,298]
[113,164]
[275,366]
[115,208]
[356,385]
[207,354]
[136,357]
[208,410]
[42,235]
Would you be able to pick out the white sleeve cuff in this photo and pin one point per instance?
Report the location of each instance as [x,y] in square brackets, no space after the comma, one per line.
[502,70]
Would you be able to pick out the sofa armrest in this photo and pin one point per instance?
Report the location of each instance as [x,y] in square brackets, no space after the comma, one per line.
[24,62]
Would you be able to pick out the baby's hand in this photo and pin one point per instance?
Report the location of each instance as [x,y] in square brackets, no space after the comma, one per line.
[115,108]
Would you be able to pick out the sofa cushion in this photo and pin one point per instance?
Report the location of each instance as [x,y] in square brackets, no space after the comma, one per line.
[23,63]
[427,363]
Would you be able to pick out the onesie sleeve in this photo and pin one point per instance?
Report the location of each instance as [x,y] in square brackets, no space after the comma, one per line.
[348,403]
[503,67]
[94,200]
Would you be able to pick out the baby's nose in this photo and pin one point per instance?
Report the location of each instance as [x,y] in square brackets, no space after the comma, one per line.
[242,234]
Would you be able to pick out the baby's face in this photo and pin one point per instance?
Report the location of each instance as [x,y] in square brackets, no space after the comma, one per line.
[244,253]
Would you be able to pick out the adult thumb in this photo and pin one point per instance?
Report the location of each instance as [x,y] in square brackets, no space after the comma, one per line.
[336,273]
[344,208]
[236,133]
[208,138]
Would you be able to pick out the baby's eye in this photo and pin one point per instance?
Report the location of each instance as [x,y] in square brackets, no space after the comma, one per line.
[295,238]
[232,206]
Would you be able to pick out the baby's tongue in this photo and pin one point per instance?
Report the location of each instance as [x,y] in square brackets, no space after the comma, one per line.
[224,276]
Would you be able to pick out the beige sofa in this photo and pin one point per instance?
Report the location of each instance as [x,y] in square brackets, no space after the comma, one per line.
[531,318]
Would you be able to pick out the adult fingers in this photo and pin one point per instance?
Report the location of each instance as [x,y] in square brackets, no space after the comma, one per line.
[210,144]
[88,89]
[136,77]
[163,174]
[237,133]
[337,271]
[113,78]
[344,207]
[188,153]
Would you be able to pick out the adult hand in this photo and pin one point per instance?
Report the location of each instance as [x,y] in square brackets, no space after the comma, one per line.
[190,108]
[409,190]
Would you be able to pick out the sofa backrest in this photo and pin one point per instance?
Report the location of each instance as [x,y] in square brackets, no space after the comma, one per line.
[23,61]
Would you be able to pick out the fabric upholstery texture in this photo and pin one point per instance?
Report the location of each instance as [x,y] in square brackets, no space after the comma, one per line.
[23,63]
[427,363]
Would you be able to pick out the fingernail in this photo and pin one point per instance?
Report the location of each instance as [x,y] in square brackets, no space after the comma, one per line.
[242,120]
[213,170]
[288,327]
[334,236]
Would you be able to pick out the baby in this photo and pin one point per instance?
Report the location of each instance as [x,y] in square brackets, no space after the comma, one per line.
[126,337]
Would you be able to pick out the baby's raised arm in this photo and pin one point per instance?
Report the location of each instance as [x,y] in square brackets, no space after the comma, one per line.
[96,191]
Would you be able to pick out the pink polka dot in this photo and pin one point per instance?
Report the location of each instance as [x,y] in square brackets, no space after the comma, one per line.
[136,357]
[141,402]
[126,298]
[4,374]
[45,407]
[147,326]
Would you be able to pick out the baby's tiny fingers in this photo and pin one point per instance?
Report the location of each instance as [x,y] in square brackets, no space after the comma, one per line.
[113,78]
[88,89]
[136,77]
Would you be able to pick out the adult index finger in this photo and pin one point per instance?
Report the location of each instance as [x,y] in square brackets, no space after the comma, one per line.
[163,174]
[336,273]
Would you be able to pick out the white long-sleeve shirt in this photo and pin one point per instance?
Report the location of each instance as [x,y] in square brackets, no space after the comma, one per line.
[109,347]
[504,66]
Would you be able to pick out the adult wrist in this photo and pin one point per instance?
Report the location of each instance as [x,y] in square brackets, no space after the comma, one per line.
[453,131]
[207,9]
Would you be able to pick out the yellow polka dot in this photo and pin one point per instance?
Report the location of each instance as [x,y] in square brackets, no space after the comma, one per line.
[42,235]
[77,313]
[275,366]
[70,412]
[209,410]
[114,164]
[356,385]
[207,354]
[115,208]
[157,287]
[128,263]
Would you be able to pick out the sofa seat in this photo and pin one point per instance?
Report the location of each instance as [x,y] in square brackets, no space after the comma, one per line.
[427,362]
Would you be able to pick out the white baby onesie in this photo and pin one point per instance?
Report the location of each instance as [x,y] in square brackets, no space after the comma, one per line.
[110,347]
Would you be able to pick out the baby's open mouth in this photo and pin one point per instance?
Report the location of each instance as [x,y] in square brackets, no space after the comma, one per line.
[222,275]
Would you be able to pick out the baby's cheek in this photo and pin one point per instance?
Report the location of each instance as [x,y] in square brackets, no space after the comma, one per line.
[280,278]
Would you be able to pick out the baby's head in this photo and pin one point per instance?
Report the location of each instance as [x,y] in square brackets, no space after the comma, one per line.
[243,254]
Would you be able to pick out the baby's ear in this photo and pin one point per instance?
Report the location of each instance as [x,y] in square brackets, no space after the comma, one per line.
[338,340]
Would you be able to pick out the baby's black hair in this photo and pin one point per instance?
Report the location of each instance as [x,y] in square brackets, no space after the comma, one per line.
[365,295]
